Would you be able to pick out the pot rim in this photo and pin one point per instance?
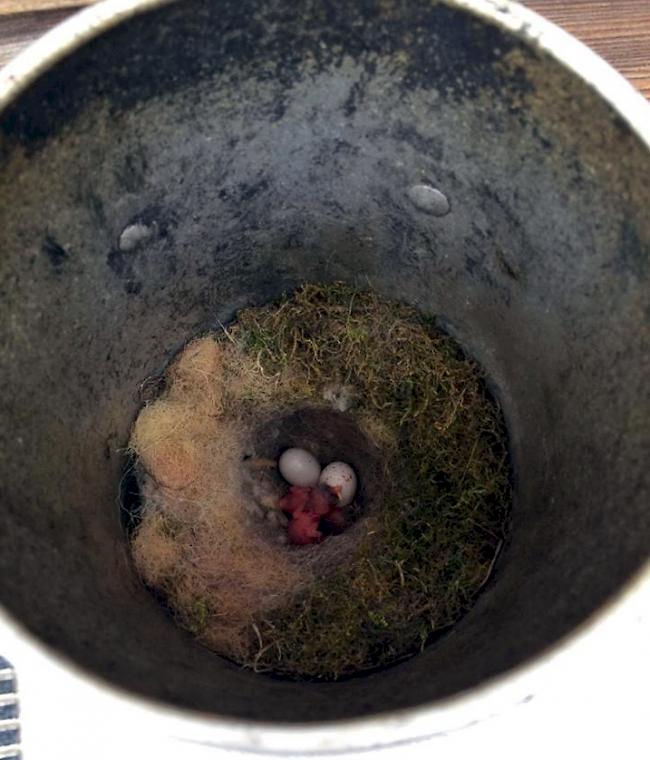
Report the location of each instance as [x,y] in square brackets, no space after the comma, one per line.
[137,716]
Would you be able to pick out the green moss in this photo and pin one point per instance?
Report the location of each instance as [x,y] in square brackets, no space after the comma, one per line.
[196,617]
[445,505]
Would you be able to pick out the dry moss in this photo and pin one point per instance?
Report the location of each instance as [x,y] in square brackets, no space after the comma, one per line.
[421,554]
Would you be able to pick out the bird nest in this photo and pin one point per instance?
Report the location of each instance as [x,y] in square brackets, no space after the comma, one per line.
[350,377]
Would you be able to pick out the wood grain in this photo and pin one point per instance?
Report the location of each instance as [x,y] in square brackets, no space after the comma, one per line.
[619,30]
[18,30]
[8,7]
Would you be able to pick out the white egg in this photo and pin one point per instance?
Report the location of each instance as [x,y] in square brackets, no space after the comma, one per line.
[299,467]
[342,479]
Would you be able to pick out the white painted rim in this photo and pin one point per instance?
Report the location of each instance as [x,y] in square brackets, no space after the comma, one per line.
[140,719]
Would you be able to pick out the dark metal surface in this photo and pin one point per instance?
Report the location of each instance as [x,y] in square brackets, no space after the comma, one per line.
[265,144]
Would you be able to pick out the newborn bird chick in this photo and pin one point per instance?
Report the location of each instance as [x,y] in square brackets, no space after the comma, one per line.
[307,507]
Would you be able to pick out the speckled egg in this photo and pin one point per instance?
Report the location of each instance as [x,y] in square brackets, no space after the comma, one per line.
[299,467]
[342,479]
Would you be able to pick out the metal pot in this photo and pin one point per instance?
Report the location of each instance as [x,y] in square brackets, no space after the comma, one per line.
[163,164]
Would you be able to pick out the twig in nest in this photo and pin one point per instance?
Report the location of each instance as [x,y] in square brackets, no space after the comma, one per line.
[226,332]
[491,565]
[259,636]
[401,574]
[262,650]
[261,463]
[483,528]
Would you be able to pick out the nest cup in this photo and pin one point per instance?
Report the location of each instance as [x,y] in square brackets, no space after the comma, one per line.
[204,156]
[330,436]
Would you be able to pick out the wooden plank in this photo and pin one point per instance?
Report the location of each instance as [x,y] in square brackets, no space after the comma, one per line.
[17,31]
[618,30]
[8,7]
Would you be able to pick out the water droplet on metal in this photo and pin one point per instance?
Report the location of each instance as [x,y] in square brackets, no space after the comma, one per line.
[429,199]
